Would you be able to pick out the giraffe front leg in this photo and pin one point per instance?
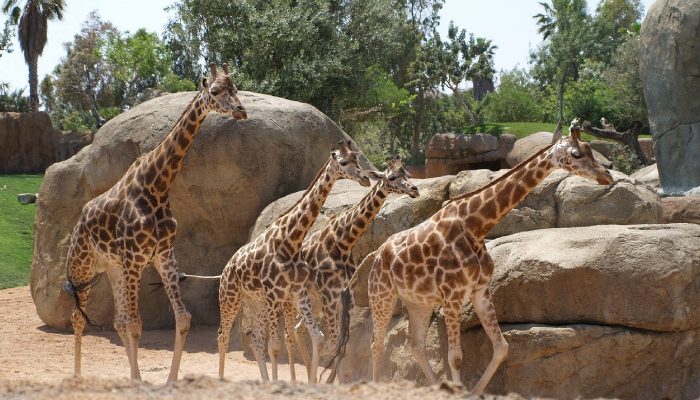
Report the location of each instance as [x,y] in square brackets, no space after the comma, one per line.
[273,338]
[132,283]
[166,265]
[289,338]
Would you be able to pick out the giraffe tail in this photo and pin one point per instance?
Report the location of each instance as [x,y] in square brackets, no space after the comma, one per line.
[73,291]
[181,276]
[346,298]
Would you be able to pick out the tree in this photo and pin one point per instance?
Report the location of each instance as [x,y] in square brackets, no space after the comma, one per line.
[84,80]
[482,72]
[137,62]
[611,23]
[32,20]
[515,100]
[565,27]
[6,38]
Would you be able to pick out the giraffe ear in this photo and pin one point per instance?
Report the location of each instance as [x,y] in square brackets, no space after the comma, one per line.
[203,84]
[212,70]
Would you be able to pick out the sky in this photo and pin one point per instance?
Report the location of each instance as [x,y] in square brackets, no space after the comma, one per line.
[508,23]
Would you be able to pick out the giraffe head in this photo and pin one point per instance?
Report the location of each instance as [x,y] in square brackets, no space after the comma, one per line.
[348,164]
[220,94]
[576,156]
[395,178]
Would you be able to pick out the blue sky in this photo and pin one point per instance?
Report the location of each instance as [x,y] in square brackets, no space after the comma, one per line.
[508,23]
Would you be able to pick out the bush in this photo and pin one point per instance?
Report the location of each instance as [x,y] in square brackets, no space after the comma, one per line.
[516,99]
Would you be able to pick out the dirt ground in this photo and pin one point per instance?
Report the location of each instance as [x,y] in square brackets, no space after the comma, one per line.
[37,362]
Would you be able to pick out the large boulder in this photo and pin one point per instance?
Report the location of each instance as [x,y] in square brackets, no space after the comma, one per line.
[648,175]
[529,145]
[670,73]
[234,169]
[27,142]
[681,209]
[601,311]
[564,200]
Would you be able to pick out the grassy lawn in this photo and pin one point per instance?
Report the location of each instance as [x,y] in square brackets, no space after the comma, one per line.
[16,229]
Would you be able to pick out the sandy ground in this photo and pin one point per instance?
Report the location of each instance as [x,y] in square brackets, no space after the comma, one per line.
[37,362]
[46,355]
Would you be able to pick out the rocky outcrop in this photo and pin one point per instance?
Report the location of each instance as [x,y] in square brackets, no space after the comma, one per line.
[648,175]
[564,200]
[529,145]
[681,209]
[447,153]
[602,311]
[234,169]
[670,73]
[27,142]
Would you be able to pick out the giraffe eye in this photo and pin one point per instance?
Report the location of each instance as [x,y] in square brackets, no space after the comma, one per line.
[214,92]
[343,163]
[576,154]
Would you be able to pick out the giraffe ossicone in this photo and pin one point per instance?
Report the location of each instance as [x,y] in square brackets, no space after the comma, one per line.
[443,260]
[131,226]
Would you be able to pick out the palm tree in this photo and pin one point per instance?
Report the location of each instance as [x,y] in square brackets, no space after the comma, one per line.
[482,71]
[565,23]
[32,20]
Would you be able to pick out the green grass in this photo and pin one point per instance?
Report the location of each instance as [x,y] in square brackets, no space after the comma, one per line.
[16,229]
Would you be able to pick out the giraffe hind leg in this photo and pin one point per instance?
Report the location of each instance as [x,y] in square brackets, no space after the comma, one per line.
[80,265]
[229,307]
[419,322]
[167,268]
[306,311]
[481,300]
[382,299]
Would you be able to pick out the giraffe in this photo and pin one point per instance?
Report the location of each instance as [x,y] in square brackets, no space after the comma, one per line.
[328,252]
[443,261]
[270,276]
[131,226]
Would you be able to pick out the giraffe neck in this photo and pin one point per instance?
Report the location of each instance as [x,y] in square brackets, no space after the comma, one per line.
[480,212]
[299,219]
[353,223]
[163,163]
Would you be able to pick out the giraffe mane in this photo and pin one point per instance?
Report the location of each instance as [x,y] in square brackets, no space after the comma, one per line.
[311,185]
[502,177]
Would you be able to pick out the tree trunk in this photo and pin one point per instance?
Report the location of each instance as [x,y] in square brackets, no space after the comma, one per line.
[629,139]
[415,148]
[33,83]
[561,98]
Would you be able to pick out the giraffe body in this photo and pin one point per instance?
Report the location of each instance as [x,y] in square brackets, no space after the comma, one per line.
[269,274]
[131,226]
[443,260]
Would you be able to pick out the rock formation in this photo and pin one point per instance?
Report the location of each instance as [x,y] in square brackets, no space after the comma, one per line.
[447,153]
[670,72]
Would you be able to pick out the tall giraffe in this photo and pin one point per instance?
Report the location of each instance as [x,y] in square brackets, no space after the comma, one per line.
[131,225]
[443,260]
[328,252]
[270,276]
